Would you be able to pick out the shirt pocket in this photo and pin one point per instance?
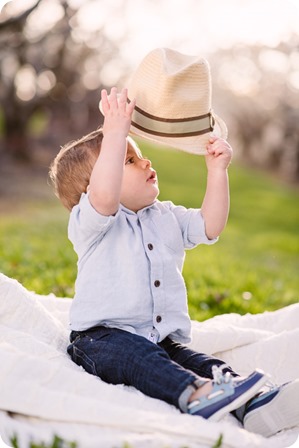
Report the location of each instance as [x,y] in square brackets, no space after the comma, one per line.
[170,233]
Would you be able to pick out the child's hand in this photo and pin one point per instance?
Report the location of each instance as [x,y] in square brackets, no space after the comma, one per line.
[117,111]
[219,154]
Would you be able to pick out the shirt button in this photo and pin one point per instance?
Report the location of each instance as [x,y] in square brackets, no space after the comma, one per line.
[158,319]
[150,246]
[157,283]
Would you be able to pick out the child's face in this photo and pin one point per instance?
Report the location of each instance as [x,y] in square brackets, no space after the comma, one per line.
[140,183]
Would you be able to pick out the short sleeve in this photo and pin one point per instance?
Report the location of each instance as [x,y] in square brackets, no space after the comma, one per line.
[87,226]
[192,226]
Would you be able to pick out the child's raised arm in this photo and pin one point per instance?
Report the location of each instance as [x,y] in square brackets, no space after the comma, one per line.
[215,206]
[106,177]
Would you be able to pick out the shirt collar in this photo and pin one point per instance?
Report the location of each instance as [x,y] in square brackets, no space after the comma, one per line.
[153,206]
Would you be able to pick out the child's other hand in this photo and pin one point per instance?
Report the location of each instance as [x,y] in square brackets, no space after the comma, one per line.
[219,153]
[117,111]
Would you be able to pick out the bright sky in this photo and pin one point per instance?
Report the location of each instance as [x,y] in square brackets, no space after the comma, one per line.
[194,27]
[199,27]
[191,26]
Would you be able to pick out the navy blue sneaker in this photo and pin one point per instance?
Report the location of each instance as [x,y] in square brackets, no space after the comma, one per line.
[274,410]
[228,393]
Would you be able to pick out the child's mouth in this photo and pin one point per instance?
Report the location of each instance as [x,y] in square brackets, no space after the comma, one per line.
[152,177]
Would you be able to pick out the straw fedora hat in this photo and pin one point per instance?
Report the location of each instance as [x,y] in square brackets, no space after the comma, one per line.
[173,101]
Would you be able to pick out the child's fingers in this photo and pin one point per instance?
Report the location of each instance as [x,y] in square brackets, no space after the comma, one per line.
[113,96]
[213,138]
[123,102]
[131,106]
[218,142]
[122,99]
[104,101]
[219,147]
[123,95]
[210,149]
[117,101]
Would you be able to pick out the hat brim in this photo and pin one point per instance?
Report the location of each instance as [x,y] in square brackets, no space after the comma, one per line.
[194,145]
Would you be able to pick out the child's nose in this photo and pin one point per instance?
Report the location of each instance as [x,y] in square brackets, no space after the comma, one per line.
[147,163]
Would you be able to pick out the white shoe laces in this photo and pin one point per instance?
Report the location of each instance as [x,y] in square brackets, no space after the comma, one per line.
[268,387]
[218,376]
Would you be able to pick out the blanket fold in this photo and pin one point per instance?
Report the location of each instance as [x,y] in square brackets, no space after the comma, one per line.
[44,393]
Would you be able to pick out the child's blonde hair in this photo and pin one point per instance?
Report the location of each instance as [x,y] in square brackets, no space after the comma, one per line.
[71,169]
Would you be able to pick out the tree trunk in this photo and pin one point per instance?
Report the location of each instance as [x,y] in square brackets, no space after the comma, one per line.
[16,142]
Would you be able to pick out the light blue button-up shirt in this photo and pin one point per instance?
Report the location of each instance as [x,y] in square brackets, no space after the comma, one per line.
[130,268]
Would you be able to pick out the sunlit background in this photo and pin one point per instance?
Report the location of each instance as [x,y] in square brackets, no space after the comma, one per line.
[56,56]
[136,27]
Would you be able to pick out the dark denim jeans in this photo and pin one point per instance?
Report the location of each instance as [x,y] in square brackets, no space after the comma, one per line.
[168,370]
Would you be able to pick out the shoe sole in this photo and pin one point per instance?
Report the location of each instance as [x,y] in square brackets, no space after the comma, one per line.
[282,412]
[242,399]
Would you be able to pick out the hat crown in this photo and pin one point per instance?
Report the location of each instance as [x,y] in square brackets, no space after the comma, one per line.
[170,85]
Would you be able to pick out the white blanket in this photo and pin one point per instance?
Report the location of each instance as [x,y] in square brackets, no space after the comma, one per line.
[44,393]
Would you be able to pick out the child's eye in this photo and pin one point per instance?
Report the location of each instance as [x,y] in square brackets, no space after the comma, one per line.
[130,160]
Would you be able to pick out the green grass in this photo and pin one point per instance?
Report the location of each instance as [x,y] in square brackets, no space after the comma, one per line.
[254,266]
[57,442]
[60,443]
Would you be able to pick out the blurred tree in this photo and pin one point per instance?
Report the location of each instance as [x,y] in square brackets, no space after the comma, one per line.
[54,58]
[49,70]
[14,115]
[259,91]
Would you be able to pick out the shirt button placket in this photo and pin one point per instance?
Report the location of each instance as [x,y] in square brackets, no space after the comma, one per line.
[157,284]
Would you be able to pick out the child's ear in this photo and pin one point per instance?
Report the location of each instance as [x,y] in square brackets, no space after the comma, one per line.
[87,188]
